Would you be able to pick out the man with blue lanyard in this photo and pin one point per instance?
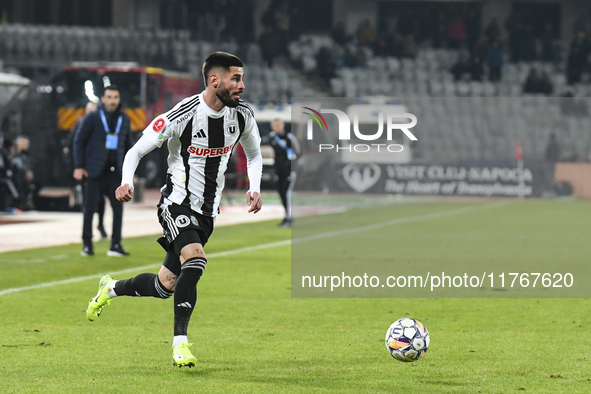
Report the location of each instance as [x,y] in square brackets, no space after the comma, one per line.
[100,146]
[286,149]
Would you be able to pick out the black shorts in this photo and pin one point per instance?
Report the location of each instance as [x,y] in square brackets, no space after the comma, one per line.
[181,226]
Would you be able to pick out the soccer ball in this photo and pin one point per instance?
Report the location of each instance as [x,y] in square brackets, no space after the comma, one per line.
[407,340]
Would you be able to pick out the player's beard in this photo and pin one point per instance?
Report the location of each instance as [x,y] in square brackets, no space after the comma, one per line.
[111,108]
[224,96]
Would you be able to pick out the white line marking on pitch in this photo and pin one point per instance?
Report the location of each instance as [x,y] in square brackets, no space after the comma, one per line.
[394,222]
[376,226]
[145,267]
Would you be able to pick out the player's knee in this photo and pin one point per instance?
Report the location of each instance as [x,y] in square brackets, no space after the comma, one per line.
[163,291]
[193,251]
[194,267]
[167,280]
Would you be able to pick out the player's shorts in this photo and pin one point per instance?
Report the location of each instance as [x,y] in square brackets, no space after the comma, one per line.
[182,226]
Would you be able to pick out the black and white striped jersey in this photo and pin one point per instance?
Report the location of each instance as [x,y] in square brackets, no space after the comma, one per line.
[200,143]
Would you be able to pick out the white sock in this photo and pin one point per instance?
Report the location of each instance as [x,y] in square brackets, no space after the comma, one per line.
[178,339]
[111,290]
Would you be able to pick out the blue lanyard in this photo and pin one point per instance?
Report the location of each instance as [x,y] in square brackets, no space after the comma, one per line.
[106,126]
[290,154]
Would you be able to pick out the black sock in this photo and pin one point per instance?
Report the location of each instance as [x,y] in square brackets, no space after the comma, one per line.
[143,285]
[185,293]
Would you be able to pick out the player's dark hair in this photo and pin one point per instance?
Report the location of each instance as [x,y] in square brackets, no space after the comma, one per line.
[111,87]
[221,60]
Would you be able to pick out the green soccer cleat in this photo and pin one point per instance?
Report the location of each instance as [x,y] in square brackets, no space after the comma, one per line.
[96,305]
[182,357]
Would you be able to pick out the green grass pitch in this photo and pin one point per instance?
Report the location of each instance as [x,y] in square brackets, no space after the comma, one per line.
[251,337]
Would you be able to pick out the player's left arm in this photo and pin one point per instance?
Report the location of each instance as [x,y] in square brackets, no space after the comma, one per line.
[251,143]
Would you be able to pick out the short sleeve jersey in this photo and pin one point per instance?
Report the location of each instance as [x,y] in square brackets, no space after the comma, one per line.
[200,144]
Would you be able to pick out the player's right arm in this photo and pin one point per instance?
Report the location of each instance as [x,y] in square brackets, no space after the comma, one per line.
[133,156]
[161,129]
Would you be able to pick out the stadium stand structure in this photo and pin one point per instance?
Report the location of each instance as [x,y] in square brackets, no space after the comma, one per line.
[486,118]
[30,45]
[21,44]
[482,130]
[488,128]
[426,75]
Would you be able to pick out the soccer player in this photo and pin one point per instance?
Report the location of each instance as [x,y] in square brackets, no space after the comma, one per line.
[202,132]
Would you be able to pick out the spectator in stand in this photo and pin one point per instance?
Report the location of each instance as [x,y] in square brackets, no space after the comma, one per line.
[270,43]
[439,31]
[476,68]
[473,29]
[325,65]
[355,56]
[521,45]
[410,47]
[239,20]
[296,21]
[547,86]
[547,43]
[338,56]
[574,66]
[468,69]
[494,61]
[513,26]
[457,32]
[397,45]
[386,44]
[532,82]
[366,35]
[493,31]
[383,46]
[461,68]
[577,58]
[275,37]
[281,25]
[537,83]
[339,34]
[481,47]
[529,43]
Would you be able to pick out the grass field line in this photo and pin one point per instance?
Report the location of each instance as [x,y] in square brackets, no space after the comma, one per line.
[328,234]
[144,267]
[393,222]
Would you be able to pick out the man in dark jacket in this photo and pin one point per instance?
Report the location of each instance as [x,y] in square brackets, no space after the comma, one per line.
[99,148]
[78,185]
[286,149]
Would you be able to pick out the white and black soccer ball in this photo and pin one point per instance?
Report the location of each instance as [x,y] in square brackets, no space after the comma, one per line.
[407,339]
